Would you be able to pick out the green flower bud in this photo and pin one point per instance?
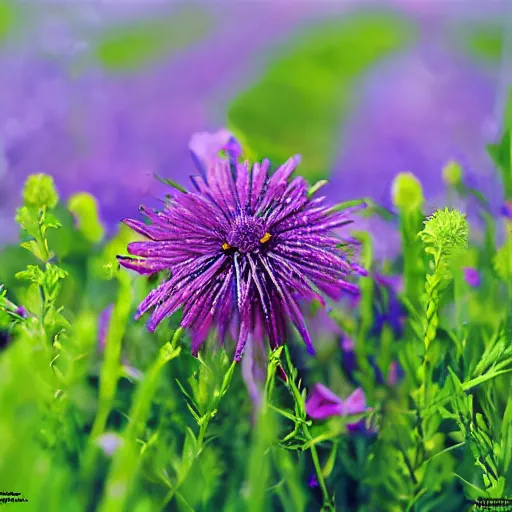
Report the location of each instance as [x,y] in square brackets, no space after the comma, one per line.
[85,209]
[452,173]
[407,192]
[40,191]
[446,231]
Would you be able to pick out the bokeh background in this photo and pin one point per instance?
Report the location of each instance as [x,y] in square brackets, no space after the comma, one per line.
[103,94]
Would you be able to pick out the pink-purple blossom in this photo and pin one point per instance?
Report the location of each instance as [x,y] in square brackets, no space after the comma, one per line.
[322,403]
[243,248]
[471,276]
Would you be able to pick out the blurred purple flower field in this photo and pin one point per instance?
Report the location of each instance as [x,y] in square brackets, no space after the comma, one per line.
[312,309]
[102,97]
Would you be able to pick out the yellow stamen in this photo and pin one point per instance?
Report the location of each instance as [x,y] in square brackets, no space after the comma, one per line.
[266,238]
[226,246]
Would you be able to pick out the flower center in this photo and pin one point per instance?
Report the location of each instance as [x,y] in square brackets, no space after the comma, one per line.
[247,235]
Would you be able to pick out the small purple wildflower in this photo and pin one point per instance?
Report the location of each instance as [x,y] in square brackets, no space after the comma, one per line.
[322,403]
[243,246]
[348,360]
[395,372]
[21,311]
[471,276]
[109,443]
[312,481]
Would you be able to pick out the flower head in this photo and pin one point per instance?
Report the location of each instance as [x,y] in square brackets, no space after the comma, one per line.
[322,403]
[471,276]
[446,231]
[407,192]
[244,247]
[452,173]
[40,191]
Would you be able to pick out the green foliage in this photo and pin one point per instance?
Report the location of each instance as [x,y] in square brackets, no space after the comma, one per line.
[484,41]
[136,423]
[408,198]
[130,47]
[407,192]
[7,18]
[501,152]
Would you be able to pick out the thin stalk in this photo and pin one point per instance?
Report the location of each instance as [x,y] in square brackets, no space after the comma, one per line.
[126,459]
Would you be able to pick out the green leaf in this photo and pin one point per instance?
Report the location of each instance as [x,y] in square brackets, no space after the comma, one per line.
[188,455]
[316,187]
[132,46]
[39,191]
[483,40]
[484,378]
[32,274]
[167,181]
[33,247]
[345,205]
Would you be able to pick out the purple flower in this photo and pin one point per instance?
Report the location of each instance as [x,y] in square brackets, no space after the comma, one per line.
[21,311]
[348,361]
[312,481]
[206,147]
[506,209]
[242,246]
[322,403]
[471,276]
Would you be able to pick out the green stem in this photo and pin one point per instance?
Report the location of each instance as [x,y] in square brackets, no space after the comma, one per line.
[300,410]
[263,437]
[126,460]
[110,370]
[203,427]
[366,312]
[41,240]
[318,470]
[410,224]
